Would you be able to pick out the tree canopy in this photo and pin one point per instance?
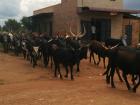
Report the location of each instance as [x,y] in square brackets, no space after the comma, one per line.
[12,25]
[26,23]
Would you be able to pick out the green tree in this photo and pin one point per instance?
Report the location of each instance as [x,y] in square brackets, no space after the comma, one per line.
[26,23]
[12,25]
[0,28]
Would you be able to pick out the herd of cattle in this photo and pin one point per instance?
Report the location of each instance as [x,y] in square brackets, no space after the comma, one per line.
[70,50]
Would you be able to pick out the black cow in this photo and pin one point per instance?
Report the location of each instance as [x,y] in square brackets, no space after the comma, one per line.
[5,41]
[46,50]
[68,56]
[99,49]
[110,42]
[127,60]
[17,45]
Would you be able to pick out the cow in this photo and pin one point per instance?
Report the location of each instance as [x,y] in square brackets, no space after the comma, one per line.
[110,42]
[68,56]
[68,51]
[127,60]
[45,49]
[17,45]
[5,42]
[99,49]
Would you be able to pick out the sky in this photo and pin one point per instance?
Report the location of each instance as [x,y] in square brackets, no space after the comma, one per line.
[18,8]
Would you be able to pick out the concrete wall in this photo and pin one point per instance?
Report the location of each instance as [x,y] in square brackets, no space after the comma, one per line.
[117,4]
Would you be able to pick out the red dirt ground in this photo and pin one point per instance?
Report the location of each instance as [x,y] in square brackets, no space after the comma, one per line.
[20,84]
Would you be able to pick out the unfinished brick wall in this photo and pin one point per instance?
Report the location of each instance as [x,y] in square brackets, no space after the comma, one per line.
[117,26]
[135,29]
[64,15]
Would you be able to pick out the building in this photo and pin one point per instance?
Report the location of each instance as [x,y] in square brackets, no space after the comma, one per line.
[103,19]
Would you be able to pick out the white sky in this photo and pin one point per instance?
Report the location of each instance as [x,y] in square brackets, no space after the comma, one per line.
[19,8]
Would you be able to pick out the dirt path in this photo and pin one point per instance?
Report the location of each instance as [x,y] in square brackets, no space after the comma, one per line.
[20,84]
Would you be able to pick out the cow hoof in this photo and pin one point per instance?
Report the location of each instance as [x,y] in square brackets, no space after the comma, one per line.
[55,76]
[108,81]
[113,86]
[131,90]
[61,78]
[134,90]
[72,78]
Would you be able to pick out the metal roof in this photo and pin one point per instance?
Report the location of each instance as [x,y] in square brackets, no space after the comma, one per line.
[93,9]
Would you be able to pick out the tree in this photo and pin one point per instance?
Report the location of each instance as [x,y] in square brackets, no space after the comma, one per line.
[26,23]
[12,25]
[0,28]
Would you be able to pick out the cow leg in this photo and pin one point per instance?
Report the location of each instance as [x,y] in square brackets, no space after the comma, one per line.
[136,86]
[34,61]
[45,58]
[91,55]
[90,58]
[66,67]
[94,59]
[59,72]
[31,59]
[126,81]
[107,72]
[118,73]
[28,55]
[104,62]
[78,70]
[51,61]
[134,77]
[24,54]
[112,76]
[55,72]
[71,69]
[99,59]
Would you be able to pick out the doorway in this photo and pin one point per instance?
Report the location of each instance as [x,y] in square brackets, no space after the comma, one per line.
[100,29]
[103,29]
[128,32]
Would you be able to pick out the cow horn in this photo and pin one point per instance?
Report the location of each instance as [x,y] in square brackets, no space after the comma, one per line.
[115,46]
[72,32]
[67,35]
[82,34]
[105,47]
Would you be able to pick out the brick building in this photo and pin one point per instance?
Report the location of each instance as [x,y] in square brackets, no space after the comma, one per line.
[103,19]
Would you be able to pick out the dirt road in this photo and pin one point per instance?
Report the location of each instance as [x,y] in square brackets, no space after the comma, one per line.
[20,84]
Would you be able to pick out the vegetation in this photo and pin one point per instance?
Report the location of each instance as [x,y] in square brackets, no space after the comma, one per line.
[26,23]
[12,25]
